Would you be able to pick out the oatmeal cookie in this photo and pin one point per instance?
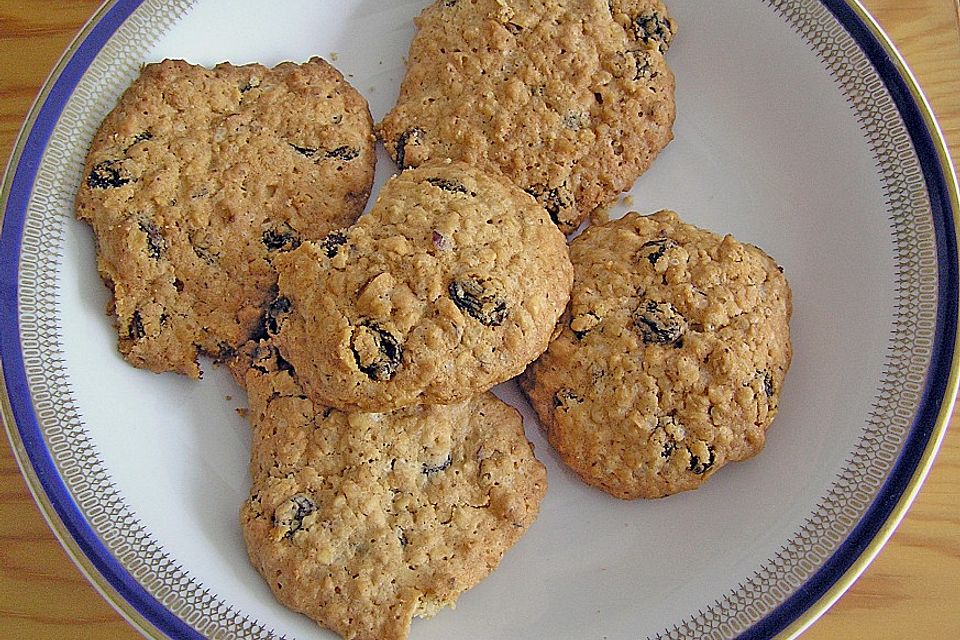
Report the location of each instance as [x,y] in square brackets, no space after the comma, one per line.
[671,357]
[362,521]
[571,99]
[451,284]
[199,178]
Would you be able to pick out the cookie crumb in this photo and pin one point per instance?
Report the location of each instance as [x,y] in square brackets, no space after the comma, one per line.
[600,215]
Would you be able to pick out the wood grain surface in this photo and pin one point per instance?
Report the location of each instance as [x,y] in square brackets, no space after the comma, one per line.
[910,590]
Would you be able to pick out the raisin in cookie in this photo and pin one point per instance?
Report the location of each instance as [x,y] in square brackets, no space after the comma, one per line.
[451,284]
[199,178]
[670,359]
[362,521]
[570,99]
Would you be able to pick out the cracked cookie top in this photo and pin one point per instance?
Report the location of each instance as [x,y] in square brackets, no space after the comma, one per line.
[199,178]
[362,521]
[572,100]
[451,284]
[671,356]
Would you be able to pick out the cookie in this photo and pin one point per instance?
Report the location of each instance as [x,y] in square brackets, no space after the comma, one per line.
[452,283]
[199,178]
[363,521]
[671,357]
[570,99]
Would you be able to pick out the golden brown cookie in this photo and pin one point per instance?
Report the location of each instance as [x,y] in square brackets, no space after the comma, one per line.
[671,356]
[362,521]
[571,99]
[199,178]
[452,283]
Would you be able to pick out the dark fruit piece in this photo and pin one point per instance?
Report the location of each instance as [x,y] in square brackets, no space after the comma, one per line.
[306,151]
[443,466]
[655,249]
[440,241]
[377,352]
[668,448]
[283,365]
[281,238]
[659,323]
[643,66]
[156,243]
[204,253]
[449,185]
[412,136]
[553,199]
[666,431]
[344,153]
[767,379]
[108,174]
[475,298]
[699,466]
[332,242]
[291,513]
[140,137]
[653,29]
[136,330]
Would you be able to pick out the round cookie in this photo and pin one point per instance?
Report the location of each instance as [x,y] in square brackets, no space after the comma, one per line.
[671,356]
[199,178]
[362,521]
[572,100]
[452,283]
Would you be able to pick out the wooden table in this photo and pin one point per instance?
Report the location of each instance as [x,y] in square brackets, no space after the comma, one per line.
[910,591]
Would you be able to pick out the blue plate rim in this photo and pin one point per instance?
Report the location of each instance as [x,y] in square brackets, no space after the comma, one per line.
[940,388]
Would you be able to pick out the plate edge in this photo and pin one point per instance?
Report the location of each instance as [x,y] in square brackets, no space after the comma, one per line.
[94,576]
[948,402]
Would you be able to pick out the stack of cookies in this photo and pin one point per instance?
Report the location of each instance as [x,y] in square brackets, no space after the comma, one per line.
[199,178]
[386,478]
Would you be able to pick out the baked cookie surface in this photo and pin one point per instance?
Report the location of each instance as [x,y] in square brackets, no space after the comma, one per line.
[452,283]
[571,99]
[199,178]
[671,356]
[362,521]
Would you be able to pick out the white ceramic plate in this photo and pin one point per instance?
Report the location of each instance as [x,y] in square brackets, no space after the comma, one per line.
[799,130]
